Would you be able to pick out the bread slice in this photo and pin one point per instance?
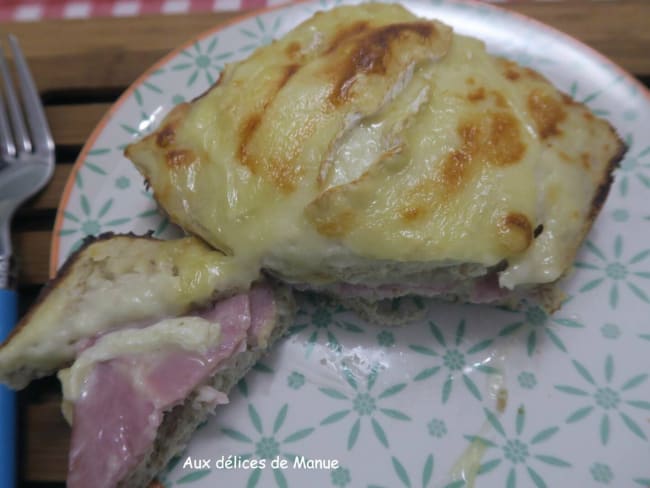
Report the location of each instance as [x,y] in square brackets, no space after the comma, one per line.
[444,171]
[148,334]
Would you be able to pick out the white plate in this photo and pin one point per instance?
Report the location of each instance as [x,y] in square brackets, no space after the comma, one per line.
[407,407]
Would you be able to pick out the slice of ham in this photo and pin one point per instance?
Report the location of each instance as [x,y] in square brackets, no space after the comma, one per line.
[113,423]
[263,314]
[124,399]
[486,289]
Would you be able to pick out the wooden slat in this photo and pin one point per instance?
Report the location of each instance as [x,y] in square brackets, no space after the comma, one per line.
[128,46]
[620,29]
[50,196]
[72,124]
[32,252]
[45,448]
[105,52]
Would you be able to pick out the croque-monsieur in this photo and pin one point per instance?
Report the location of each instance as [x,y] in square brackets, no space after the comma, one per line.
[373,154]
[147,337]
[368,154]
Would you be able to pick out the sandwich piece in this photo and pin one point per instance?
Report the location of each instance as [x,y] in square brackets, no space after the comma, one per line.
[371,154]
[148,337]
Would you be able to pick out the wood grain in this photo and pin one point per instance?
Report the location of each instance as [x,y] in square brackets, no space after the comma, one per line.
[114,52]
[46,443]
[49,198]
[82,66]
[72,124]
[32,253]
[619,30]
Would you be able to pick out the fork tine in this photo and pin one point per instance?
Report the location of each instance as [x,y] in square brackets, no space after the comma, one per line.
[7,147]
[41,135]
[21,137]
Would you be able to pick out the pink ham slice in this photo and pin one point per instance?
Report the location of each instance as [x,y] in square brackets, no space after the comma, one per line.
[262,307]
[115,420]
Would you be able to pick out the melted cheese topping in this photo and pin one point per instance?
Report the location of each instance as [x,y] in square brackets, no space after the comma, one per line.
[239,165]
[369,134]
[459,187]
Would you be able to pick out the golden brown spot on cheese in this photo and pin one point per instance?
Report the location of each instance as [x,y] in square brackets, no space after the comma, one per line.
[179,157]
[335,226]
[476,95]
[293,49]
[515,232]
[470,80]
[565,157]
[246,132]
[289,71]
[493,139]
[456,166]
[511,70]
[166,136]
[250,125]
[420,200]
[567,99]
[499,99]
[504,145]
[371,53]
[412,213]
[585,160]
[547,113]
[532,74]
[282,173]
[512,74]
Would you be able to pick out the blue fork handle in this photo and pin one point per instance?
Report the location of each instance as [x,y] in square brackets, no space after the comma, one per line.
[8,319]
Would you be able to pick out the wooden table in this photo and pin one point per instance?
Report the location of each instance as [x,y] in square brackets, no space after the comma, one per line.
[82,66]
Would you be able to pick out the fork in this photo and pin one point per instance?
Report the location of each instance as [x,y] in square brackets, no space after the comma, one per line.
[26,165]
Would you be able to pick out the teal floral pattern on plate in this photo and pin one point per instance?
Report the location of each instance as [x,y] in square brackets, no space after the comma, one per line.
[268,443]
[522,456]
[607,401]
[540,400]
[205,60]
[616,270]
[363,403]
[536,324]
[451,360]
